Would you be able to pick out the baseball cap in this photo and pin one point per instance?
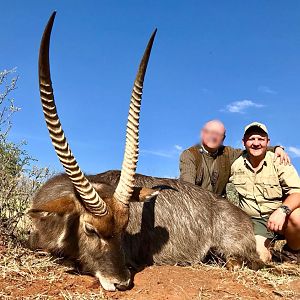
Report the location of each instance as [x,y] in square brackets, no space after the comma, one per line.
[256,124]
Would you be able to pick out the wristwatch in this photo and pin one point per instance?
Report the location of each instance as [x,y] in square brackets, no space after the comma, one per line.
[286,209]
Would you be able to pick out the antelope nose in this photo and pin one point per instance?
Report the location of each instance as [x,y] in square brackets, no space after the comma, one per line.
[122,286]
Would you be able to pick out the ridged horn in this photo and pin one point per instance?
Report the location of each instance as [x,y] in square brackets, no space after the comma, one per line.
[91,200]
[125,186]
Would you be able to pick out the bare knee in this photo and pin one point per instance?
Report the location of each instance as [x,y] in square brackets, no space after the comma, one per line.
[262,247]
[292,230]
[294,219]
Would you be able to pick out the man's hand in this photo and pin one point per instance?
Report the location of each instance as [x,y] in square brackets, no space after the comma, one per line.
[276,220]
[282,155]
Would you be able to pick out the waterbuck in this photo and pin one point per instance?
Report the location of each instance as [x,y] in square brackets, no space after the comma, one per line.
[116,219]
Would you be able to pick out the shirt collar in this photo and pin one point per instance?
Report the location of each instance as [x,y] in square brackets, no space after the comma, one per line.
[207,152]
[247,162]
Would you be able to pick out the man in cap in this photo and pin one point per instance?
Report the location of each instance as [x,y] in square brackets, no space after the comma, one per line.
[269,192]
[208,164]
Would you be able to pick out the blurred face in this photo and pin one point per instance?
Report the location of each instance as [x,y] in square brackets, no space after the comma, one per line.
[212,135]
[256,142]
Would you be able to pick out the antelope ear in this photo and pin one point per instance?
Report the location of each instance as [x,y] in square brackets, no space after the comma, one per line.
[57,206]
[143,194]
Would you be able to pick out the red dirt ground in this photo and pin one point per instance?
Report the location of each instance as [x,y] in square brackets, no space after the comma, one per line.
[158,282]
[23,276]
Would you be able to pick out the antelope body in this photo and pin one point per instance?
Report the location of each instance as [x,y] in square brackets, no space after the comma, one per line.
[118,218]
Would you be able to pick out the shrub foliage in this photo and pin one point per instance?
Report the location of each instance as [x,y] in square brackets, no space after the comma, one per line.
[19,178]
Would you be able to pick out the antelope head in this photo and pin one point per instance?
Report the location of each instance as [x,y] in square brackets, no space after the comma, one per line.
[99,212]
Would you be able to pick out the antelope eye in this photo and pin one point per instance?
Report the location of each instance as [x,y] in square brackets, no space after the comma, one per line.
[109,237]
[89,229]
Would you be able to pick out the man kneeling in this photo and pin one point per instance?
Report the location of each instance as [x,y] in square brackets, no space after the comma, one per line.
[269,192]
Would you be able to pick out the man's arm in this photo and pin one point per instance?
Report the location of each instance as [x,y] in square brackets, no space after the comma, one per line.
[281,154]
[187,167]
[292,201]
[278,217]
[290,184]
[288,178]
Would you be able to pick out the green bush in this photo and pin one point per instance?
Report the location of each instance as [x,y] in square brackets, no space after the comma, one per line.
[232,194]
[19,178]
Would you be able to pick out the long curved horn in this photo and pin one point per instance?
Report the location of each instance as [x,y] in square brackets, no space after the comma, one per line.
[125,186]
[92,201]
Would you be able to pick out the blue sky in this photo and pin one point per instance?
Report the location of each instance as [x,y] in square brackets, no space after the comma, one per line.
[237,61]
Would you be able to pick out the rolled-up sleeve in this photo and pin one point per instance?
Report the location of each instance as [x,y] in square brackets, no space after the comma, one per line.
[187,167]
[289,179]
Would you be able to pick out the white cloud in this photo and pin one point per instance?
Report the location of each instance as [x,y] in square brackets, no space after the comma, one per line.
[178,147]
[157,153]
[266,89]
[241,106]
[294,150]
[171,153]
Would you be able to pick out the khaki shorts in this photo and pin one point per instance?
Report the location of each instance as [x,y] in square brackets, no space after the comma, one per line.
[260,227]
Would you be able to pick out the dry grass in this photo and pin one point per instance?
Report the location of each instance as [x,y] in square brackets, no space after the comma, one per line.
[277,276]
[79,296]
[20,263]
[23,267]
